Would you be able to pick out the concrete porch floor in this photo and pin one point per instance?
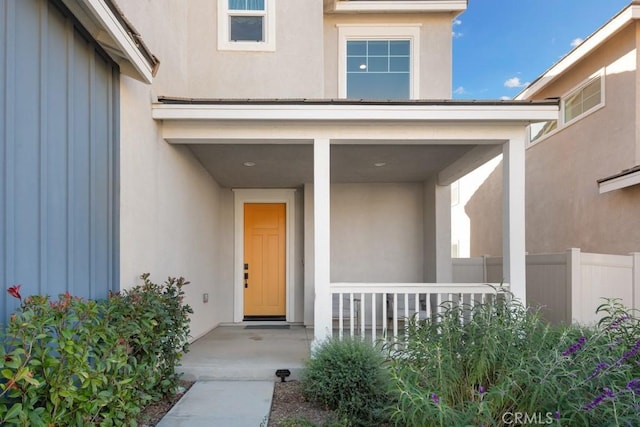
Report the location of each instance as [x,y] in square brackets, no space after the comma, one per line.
[235,353]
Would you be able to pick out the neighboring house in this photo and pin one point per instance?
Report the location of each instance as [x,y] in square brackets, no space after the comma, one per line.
[283,147]
[581,170]
[461,191]
[582,173]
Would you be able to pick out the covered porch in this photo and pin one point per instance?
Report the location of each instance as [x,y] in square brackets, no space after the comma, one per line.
[366,190]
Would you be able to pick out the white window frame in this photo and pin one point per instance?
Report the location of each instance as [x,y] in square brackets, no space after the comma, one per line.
[561,123]
[598,75]
[409,32]
[269,42]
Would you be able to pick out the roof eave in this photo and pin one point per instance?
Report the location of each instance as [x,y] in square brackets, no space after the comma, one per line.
[395,6]
[106,23]
[624,179]
[591,43]
[351,110]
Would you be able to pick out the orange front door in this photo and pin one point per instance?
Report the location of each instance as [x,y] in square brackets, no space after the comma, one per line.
[264,259]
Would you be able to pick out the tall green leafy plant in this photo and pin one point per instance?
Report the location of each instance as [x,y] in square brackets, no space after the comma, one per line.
[493,364]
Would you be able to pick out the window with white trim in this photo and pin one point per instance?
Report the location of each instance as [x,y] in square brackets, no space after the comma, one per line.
[584,99]
[378,62]
[580,101]
[246,25]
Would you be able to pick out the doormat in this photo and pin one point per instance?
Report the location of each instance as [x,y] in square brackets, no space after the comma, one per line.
[267,327]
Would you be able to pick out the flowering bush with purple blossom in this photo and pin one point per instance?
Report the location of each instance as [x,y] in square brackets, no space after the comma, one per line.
[475,365]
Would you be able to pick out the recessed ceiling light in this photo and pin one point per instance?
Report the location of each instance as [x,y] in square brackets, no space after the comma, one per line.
[380,164]
[249,164]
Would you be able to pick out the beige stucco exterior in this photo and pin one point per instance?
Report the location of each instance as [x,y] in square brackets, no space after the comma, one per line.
[179,217]
[176,220]
[564,207]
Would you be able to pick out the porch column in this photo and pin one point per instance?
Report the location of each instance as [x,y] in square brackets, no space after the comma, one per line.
[437,232]
[513,229]
[321,229]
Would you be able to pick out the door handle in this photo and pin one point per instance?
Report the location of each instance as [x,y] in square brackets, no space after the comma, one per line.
[246,276]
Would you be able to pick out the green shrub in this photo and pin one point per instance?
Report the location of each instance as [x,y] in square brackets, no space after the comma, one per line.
[505,361]
[77,362]
[154,323]
[348,376]
[62,364]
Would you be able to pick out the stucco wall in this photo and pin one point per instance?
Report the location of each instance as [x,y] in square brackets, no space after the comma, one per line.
[376,233]
[564,208]
[293,70]
[175,220]
[435,49]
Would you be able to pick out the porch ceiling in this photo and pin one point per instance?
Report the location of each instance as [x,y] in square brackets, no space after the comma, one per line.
[410,141]
[291,165]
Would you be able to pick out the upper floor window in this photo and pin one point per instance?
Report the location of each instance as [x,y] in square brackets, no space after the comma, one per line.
[582,100]
[378,62]
[379,69]
[246,25]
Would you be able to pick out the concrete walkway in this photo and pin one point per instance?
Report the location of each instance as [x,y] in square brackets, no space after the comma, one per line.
[234,369]
[222,403]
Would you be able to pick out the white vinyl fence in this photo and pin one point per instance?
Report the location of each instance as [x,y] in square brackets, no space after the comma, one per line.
[568,286]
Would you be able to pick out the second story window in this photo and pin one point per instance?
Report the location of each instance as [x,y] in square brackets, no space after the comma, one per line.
[246,25]
[379,69]
[379,62]
[584,99]
[579,102]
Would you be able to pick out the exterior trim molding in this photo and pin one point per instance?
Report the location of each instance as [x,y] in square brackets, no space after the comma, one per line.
[131,55]
[242,196]
[619,181]
[595,40]
[454,112]
[396,6]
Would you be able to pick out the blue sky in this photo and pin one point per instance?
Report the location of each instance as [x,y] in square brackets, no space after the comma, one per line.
[500,45]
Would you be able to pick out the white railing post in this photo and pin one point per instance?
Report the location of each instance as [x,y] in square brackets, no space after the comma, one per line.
[574,285]
[406,294]
[635,281]
[373,318]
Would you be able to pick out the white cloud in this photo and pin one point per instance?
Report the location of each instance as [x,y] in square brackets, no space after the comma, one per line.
[459,90]
[456,34]
[505,98]
[576,42]
[514,82]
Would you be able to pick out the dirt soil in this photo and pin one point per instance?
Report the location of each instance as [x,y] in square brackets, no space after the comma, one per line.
[289,408]
[152,414]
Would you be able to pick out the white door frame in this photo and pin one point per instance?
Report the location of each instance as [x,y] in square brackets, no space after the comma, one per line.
[242,196]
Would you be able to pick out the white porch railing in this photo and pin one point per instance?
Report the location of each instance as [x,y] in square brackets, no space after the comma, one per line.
[380,310]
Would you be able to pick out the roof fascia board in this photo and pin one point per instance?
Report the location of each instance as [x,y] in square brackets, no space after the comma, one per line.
[400,6]
[619,182]
[135,64]
[585,48]
[459,113]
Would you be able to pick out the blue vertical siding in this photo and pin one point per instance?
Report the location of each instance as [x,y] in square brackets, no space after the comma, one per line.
[58,157]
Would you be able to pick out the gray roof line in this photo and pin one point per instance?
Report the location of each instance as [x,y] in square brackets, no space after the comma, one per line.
[154,62]
[330,101]
[621,174]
